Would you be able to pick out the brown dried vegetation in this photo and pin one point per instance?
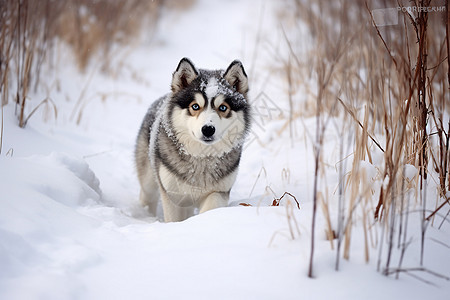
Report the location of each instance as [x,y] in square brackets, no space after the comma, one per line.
[390,85]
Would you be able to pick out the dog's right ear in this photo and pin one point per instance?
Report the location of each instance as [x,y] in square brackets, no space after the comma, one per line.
[236,77]
[184,75]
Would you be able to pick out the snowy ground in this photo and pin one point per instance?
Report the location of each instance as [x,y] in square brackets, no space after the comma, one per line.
[71,226]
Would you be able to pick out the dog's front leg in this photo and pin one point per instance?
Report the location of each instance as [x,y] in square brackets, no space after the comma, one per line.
[214,200]
[172,211]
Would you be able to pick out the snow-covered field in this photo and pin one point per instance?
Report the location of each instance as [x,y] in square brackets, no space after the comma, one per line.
[71,226]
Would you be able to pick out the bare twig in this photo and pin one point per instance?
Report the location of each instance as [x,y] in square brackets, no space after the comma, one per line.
[276,201]
[418,269]
[359,123]
[447,201]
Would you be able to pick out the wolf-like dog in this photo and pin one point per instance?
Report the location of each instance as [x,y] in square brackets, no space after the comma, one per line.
[190,142]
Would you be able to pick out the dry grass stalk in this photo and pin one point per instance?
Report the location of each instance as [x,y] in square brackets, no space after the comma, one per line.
[357,179]
[331,235]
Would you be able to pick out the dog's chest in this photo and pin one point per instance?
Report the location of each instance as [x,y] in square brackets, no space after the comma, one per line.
[192,189]
[202,172]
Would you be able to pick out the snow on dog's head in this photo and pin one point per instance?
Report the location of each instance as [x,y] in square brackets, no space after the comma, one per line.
[209,113]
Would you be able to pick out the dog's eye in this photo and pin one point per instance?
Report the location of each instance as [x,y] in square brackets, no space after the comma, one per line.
[223,108]
[195,106]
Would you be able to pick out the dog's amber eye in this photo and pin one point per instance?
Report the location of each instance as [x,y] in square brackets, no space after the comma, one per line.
[223,108]
[195,106]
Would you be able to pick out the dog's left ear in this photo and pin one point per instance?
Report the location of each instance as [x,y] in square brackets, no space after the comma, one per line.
[184,75]
[236,77]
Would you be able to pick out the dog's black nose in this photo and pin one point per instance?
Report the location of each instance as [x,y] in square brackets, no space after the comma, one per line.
[208,130]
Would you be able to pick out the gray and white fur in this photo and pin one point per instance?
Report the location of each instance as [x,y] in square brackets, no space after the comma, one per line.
[190,142]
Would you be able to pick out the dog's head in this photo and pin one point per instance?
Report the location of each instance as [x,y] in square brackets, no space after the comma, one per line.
[208,110]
